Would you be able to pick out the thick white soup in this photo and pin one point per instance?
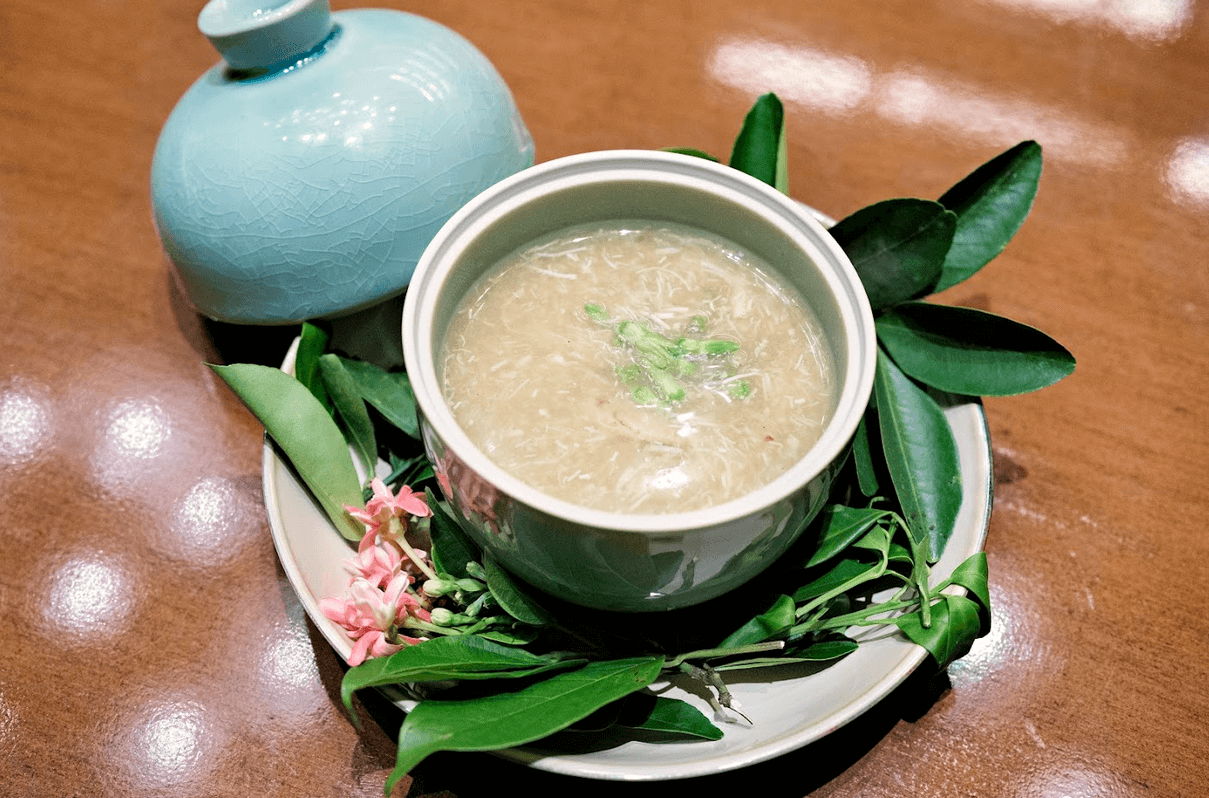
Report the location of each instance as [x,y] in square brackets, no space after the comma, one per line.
[638,369]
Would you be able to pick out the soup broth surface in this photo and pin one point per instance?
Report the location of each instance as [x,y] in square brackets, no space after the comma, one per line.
[638,368]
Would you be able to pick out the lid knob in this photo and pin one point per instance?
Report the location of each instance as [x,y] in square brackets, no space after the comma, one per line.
[256,34]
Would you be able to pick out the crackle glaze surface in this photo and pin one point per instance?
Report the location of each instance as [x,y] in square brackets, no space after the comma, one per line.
[311,190]
[151,645]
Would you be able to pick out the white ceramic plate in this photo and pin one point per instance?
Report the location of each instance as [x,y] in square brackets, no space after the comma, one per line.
[788,708]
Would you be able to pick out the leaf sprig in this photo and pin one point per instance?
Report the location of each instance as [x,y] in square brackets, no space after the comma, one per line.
[904,250]
[528,666]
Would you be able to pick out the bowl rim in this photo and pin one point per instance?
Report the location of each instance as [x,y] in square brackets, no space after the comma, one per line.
[793,219]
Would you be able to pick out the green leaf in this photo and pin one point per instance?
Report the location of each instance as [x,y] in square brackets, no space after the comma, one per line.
[463,657]
[777,619]
[312,343]
[954,628]
[693,152]
[844,571]
[991,203]
[420,473]
[349,405]
[602,718]
[898,553]
[451,548]
[862,458]
[760,148]
[876,540]
[825,650]
[514,598]
[966,351]
[898,247]
[389,392]
[518,635]
[508,719]
[840,527]
[972,575]
[921,456]
[654,713]
[312,442]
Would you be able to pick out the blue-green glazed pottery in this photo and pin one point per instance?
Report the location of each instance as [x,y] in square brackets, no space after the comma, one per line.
[303,175]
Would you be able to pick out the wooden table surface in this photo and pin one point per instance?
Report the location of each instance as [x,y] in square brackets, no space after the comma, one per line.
[150,644]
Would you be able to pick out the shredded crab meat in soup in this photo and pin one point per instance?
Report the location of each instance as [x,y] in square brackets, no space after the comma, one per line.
[636,368]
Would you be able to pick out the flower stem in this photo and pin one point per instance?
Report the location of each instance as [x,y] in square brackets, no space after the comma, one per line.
[431,628]
[399,533]
[714,653]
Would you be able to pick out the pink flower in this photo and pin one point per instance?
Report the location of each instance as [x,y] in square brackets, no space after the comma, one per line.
[379,602]
[373,615]
[384,505]
[375,564]
[383,508]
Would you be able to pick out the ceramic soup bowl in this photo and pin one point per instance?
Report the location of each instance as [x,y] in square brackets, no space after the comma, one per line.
[619,561]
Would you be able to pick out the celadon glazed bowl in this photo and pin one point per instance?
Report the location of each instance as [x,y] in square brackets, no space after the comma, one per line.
[302,176]
[631,562]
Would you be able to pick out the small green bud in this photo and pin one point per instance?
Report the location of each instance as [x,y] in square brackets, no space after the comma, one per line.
[445,617]
[477,606]
[439,587]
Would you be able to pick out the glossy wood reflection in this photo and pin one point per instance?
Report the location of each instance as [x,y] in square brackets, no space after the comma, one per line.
[152,645]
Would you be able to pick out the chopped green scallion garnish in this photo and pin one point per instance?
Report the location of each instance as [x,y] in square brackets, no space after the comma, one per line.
[643,395]
[595,312]
[662,360]
[629,373]
[667,385]
[714,346]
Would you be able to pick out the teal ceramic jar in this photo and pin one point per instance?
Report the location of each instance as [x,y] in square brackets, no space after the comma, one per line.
[302,176]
